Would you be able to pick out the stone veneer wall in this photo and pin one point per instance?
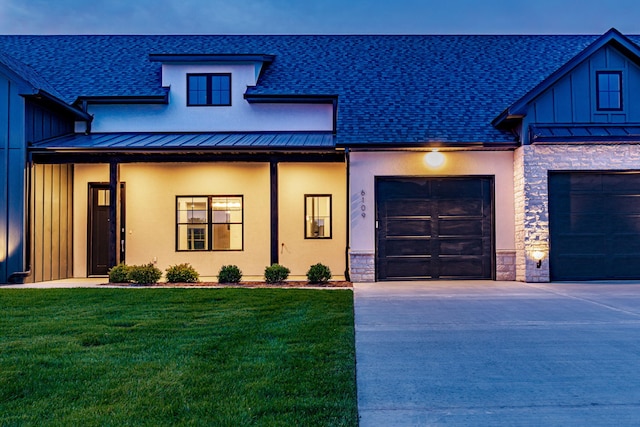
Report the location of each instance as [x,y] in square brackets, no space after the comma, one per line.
[505,265]
[532,164]
[362,267]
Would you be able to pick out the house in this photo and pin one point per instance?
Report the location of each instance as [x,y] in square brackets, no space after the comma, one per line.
[383,157]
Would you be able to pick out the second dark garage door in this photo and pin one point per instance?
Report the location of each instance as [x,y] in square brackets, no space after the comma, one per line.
[594,221]
[434,228]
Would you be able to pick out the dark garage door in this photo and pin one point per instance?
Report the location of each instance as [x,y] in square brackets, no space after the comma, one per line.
[434,228]
[594,221]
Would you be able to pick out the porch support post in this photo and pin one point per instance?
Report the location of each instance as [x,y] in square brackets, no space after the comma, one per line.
[273,176]
[114,212]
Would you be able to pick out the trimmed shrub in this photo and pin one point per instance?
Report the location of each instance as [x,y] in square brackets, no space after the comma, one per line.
[229,274]
[318,273]
[119,273]
[276,273]
[182,273]
[144,274]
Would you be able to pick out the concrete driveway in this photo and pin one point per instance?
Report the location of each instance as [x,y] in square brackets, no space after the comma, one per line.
[484,353]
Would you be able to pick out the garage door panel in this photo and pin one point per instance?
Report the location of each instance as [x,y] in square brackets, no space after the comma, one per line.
[408,227]
[459,227]
[580,267]
[628,243]
[451,267]
[594,220]
[460,207]
[407,268]
[403,207]
[461,247]
[627,183]
[410,247]
[623,204]
[472,189]
[629,224]
[580,244]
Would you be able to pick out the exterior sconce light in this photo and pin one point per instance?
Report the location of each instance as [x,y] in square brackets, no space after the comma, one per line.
[434,158]
[538,256]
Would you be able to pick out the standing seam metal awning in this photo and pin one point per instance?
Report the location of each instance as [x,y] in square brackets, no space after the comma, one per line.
[190,141]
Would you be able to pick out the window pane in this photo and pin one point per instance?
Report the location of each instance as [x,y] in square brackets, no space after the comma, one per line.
[614,82]
[197,90]
[220,90]
[192,217]
[614,100]
[317,217]
[192,237]
[227,236]
[227,223]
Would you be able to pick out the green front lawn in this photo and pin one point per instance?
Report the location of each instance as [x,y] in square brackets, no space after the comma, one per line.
[223,357]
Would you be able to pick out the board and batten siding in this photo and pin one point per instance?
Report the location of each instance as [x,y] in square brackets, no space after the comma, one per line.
[12,178]
[572,100]
[51,222]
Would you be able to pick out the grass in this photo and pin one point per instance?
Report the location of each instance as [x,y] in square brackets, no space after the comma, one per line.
[223,357]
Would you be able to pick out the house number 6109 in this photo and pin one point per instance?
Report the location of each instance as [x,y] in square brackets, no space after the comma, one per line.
[363,207]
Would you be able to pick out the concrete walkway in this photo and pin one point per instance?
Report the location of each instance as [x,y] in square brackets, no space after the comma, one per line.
[487,353]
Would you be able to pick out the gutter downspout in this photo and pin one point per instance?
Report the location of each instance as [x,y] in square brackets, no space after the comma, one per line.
[348,224]
[20,276]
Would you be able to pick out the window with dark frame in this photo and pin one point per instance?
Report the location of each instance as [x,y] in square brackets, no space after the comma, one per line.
[317,216]
[209,89]
[209,223]
[609,90]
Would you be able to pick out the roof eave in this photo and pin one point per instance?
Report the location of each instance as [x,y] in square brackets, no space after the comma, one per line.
[42,95]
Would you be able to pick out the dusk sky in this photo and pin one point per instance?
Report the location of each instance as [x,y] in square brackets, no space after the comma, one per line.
[318,16]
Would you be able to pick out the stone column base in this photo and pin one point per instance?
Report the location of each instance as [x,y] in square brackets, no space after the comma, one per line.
[362,267]
[506,265]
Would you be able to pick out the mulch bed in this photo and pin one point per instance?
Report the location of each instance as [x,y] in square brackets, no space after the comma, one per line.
[287,284]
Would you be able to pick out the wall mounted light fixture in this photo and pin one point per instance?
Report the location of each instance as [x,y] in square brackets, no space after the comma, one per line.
[434,158]
[538,256]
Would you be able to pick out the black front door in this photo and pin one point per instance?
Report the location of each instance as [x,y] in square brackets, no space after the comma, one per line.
[98,232]
[434,228]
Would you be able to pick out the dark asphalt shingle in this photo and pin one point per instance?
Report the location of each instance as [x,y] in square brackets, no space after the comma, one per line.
[391,89]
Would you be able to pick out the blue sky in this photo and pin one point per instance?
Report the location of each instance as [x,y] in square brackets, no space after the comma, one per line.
[318,16]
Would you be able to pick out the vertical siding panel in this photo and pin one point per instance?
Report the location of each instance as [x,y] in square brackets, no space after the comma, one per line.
[46,233]
[55,222]
[32,218]
[562,101]
[632,103]
[64,214]
[615,60]
[544,108]
[581,94]
[70,170]
[38,223]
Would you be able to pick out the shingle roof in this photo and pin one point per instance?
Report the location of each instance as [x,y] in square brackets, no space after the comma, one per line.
[391,89]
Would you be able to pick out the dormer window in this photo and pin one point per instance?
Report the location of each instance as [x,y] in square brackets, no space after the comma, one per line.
[609,90]
[209,89]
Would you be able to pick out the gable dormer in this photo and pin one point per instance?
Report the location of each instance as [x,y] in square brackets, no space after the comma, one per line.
[590,98]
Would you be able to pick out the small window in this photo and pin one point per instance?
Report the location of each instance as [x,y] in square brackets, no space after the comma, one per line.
[209,89]
[609,90]
[317,214]
[209,223]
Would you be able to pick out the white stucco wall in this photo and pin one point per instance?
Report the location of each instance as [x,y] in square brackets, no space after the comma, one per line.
[365,166]
[151,190]
[241,116]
